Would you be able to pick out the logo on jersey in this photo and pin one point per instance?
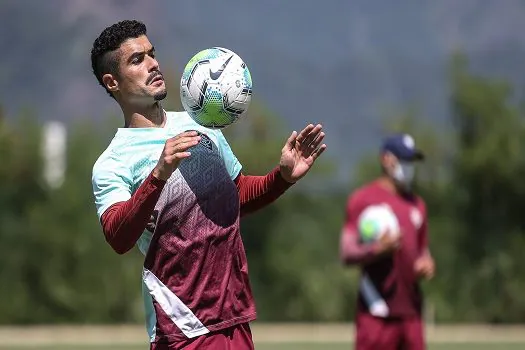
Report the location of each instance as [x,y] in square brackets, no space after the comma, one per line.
[206,141]
[416,218]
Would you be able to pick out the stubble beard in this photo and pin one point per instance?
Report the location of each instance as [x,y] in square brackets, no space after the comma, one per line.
[161,95]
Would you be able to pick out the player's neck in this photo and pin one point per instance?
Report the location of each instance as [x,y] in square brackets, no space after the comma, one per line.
[151,116]
[388,184]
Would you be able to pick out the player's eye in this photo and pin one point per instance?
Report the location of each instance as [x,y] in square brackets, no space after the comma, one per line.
[137,59]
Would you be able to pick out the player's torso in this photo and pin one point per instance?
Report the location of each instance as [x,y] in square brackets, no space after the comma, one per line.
[141,152]
[410,218]
[409,212]
[199,196]
[198,210]
[393,275]
[193,246]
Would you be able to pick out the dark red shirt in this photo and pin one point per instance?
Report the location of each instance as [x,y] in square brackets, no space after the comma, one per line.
[391,278]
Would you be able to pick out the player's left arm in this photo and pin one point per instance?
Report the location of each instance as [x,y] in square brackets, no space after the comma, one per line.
[297,157]
[256,192]
[424,265]
[423,241]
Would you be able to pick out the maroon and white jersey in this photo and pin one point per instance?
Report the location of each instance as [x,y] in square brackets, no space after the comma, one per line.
[195,274]
[390,280]
[195,267]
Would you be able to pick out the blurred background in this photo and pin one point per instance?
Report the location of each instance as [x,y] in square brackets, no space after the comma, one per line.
[450,72]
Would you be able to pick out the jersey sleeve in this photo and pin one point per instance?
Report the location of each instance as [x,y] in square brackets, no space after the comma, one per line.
[112,183]
[230,160]
[351,250]
[423,230]
[354,207]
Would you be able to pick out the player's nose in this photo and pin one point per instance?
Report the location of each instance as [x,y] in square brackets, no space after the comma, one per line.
[153,64]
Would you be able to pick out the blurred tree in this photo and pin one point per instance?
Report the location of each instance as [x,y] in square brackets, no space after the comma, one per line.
[51,246]
[488,179]
[21,190]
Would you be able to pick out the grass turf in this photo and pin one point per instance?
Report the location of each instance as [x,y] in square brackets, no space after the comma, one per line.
[293,346]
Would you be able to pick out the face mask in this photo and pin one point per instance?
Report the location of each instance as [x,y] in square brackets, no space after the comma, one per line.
[404,173]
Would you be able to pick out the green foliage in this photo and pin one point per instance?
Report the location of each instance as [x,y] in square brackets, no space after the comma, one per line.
[55,264]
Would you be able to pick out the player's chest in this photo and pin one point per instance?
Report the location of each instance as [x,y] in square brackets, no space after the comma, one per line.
[409,216]
[145,155]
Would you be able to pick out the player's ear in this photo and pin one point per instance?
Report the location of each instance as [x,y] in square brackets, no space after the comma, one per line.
[383,158]
[110,82]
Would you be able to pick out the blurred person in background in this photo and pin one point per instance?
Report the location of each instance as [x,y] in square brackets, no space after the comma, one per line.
[175,189]
[390,301]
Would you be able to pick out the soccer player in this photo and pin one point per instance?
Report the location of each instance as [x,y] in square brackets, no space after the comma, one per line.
[389,306]
[175,189]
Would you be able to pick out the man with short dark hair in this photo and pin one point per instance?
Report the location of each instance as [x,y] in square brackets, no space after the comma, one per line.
[390,301]
[175,189]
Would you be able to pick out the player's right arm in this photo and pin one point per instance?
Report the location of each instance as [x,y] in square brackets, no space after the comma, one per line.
[352,251]
[123,215]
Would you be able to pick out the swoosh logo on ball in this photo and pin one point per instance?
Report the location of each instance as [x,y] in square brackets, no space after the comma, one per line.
[215,75]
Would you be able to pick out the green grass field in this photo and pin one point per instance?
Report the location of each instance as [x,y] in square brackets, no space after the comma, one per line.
[266,337]
[296,346]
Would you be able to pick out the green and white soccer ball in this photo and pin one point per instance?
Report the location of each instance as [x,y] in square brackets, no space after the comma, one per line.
[216,88]
[375,221]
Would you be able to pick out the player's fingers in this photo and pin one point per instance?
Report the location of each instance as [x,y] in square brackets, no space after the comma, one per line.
[182,155]
[316,142]
[170,143]
[187,144]
[190,133]
[304,133]
[318,151]
[186,139]
[177,157]
[183,145]
[312,135]
[396,241]
[290,143]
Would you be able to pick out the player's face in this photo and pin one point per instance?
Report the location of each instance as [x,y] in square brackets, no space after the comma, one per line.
[139,80]
[401,172]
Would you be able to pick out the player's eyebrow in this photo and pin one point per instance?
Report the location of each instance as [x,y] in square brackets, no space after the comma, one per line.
[140,53]
[134,55]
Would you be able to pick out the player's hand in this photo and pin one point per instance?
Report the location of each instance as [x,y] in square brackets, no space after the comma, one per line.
[424,267]
[388,243]
[175,150]
[300,152]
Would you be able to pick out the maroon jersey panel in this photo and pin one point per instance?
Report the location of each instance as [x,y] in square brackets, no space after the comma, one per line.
[196,265]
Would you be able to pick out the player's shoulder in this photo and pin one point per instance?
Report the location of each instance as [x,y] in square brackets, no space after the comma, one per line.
[362,196]
[178,116]
[181,121]
[112,156]
[364,191]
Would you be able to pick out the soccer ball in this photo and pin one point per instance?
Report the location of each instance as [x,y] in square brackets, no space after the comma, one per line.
[375,221]
[216,88]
